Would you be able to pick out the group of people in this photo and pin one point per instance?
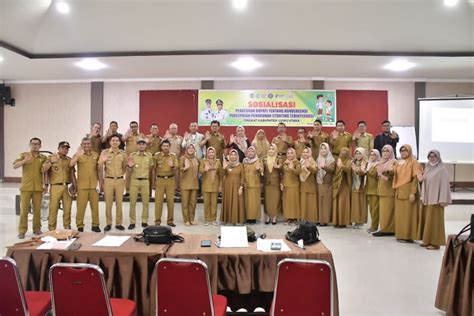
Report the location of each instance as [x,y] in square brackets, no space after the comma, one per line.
[329,179]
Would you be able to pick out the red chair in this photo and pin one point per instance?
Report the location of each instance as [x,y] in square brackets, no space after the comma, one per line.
[183,288]
[78,289]
[303,287]
[14,301]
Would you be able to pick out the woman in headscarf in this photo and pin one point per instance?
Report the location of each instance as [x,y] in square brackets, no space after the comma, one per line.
[252,192]
[341,190]
[271,184]
[405,183]
[189,170]
[308,187]
[326,168]
[232,211]
[435,196]
[386,193]
[239,142]
[291,187]
[261,143]
[371,182]
[211,170]
[358,199]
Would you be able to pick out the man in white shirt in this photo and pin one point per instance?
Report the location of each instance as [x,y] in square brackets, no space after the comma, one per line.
[221,114]
[207,114]
[193,137]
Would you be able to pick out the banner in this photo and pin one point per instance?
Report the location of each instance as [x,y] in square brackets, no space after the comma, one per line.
[267,107]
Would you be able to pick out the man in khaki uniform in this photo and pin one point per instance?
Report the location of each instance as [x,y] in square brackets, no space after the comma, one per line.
[140,163]
[164,182]
[60,176]
[282,141]
[317,137]
[176,143]
[112,165]
[339,139]
[153,140]
[130,138]
[87,179]
[96,139]
[31,188]
[215,139]
[363,139]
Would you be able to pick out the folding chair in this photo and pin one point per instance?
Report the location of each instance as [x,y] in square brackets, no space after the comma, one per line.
[303,287]
[15,301]
[183,288]
[78,289]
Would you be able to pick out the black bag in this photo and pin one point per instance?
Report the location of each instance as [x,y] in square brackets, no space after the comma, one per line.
[306,231]
[158,235]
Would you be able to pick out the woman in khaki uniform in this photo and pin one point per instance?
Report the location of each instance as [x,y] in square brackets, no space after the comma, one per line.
[232,211]
[341,190]
[435,196]
[189,169]
[371,183]
[358,199]
[386,193]
[211,170]
[261,143]
[271,185]
[308,187]
[405,183]
[291,187]
[326,168]
[252,192]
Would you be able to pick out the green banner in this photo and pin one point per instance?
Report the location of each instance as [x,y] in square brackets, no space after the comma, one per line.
[267,107]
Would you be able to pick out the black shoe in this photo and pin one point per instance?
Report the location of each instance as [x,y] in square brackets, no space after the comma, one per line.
[144,225]
[131,226]
[172,224]
[96,229]
[126,194]
[267,222]
[382,234]
[274,223]
[323,225]
[80,229]
[120,227]
[107,228]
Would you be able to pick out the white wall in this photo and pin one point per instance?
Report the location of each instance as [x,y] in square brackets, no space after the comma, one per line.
[52,112]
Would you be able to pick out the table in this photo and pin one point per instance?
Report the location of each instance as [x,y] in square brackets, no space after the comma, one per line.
[246,270]
[128,269]
[455,292]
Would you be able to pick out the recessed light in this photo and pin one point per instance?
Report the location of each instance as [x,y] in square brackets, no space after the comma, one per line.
[399,65]
[450,3]
[1,59]
[90,64]
[240,4]
[246,64]
[62,7]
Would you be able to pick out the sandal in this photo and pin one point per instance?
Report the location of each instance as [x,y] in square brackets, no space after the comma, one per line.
[431,247]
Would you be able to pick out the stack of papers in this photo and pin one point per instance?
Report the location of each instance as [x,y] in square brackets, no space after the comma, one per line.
[111,241]
[53,243]
[234,237]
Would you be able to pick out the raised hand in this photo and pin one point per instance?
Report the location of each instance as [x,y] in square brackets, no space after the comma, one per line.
[310,134]
[167,134]
[420,177]
[334,134]
[80,151]
[54,158]
[208,135]
[170,163]
[393,135]
[130,162]
[206,166]
[232,138]
[339,162]
[186,164]
[258,166]
[187,136]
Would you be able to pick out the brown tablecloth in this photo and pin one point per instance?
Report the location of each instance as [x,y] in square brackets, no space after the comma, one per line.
[455,287]
[128,269]
[246,270]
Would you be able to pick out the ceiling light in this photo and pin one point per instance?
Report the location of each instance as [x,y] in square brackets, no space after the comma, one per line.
[90,64]
[62,7]
[399,65]
[450,3]
[240,4]
[246,64]
[1,59]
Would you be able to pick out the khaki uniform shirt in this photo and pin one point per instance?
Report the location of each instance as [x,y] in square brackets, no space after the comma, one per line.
[189,177]
[365,141]
[211,180]
[316,141]
[96,143]
[162,168]
[87,176]
[176,143]
[153,145]
[31,176]
[59,172]
[282,146]
[131,143]
[217,141]
[342,140]
[115,164]
[143,164]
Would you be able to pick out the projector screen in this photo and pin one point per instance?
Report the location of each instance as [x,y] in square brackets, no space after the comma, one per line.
[447,125]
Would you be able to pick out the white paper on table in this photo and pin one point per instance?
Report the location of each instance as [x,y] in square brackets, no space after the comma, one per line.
[55,244]
[234,237]
[265,245]
[111,241]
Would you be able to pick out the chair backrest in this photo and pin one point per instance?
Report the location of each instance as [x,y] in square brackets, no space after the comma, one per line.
[303,287]
[78,289]
[12,300]
[183,288]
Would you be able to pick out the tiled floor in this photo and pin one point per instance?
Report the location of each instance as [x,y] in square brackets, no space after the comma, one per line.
[376,276]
